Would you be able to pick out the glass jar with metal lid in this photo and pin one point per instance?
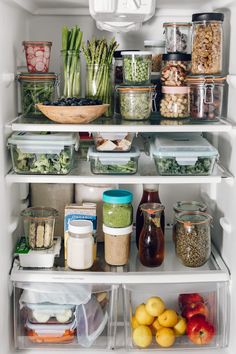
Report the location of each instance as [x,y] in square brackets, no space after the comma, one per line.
[175,68]
[177,36]
[193,238]
[206,96]
[36,88]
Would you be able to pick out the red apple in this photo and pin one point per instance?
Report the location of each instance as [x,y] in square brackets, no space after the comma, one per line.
[185,299]
[200,331]
[193,309]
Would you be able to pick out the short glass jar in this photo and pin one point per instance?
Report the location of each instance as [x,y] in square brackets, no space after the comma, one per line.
[178,37]
[207,43]
[193,238]
[158,49]
[175,102]
[137,67]
[117,208]
[175,68]
[206,96]
[37,54]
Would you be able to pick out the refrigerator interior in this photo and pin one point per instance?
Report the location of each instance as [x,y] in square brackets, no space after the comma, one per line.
[37,20]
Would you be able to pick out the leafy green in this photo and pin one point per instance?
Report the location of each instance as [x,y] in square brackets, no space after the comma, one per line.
[127,168]
[169,166]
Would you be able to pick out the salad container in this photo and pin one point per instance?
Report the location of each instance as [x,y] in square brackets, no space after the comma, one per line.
[36,153]
[113,141]
[183,155]
[37,56]
[108,163]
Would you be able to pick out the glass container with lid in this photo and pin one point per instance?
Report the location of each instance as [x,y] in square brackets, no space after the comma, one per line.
[137,67]
[158,49]
[37,55]
[193,238]
[206,96]
[177,36]
[117,208]
[175,68]
[207,43]
[175,102]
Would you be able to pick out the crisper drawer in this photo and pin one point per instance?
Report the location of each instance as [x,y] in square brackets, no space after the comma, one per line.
[66,316]
[157,317]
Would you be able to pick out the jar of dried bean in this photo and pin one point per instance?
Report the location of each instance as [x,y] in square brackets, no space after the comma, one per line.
[175,68]
[175,102]
[193,238]
[206,96]
[207,43]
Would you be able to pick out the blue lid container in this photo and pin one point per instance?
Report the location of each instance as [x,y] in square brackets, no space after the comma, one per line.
[117,196]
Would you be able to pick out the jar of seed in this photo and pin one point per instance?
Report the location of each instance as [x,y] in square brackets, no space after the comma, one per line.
[193,238]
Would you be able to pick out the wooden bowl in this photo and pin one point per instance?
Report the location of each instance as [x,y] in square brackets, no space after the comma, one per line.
[73,114]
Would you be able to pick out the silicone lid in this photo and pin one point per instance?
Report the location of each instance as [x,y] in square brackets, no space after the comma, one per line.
[119,231]
[80,227]
[117,196]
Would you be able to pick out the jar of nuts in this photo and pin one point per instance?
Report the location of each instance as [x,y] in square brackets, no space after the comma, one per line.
[193,238]
[175,68]
[206,96]
[158,49]
[207,43]
[177,37]
[175,102]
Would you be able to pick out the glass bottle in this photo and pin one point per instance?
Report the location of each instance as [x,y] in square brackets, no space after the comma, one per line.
[151,241]
[150,195]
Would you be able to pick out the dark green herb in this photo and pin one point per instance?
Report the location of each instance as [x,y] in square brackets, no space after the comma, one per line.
[169,166]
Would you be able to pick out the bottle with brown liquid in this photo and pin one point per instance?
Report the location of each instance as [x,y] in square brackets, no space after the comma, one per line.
[150,195]
[151,241]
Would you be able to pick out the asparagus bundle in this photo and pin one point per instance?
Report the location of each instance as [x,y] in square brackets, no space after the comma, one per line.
[71,42]
[98,54]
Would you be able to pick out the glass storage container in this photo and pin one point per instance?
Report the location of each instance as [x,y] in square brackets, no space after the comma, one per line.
[207,43]
[117,208]
[136,102]
[177,37]
[38,153]
[193,238]
[71,73]
[108,163]
[175,68]
[113,141]
[36,88]
[37,56]
[206,96]
[158,49]
[137,67]
[175,102]
[183,155]
[46,313]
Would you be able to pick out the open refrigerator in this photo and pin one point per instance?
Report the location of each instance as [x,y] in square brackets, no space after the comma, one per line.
[125,287]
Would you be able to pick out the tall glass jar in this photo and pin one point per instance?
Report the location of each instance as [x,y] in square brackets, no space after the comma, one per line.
[71,73]
[207,43]
[99,84]
[193,238]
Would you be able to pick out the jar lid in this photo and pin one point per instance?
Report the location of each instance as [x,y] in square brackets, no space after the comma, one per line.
[118,53]
[175,89]
[153,43]
[205,79]
[36,76]
[176,57]
[189,206]
[117,196]
[135,88]
[177,24]
[208,16]
[136,53]
[36,43]
[193,218]
[152,208]
[80,227]
[118,231]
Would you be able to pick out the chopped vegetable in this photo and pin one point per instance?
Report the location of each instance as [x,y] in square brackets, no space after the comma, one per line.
[169,166]
[126,168]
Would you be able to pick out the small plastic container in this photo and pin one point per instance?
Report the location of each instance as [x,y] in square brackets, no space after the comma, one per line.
[37,56]
[206,96]
[113,141]
[47,154]
[107,163]
[175,68]
[117,208]
[175,102]
[193,238]
[39,225]
[158,49]
[136,102]
[36,88]
[183,155]
[117,245]
[177,37]
[137,67]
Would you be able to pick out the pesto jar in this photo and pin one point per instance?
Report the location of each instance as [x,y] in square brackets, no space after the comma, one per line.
[117,208]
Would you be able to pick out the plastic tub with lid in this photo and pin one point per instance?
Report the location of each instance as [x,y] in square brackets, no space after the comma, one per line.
[183,155]
[137,67]
[37,153]
[158,49]
[113,141]
[178,37]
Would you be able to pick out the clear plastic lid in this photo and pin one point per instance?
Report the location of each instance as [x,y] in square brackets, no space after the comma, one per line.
[49,307]
[189,206]
[136,53]
[153,43]
[117,231]
[52,329]
[93,153]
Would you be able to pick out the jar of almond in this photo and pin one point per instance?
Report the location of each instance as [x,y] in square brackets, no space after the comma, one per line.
[175,102]
[175,68]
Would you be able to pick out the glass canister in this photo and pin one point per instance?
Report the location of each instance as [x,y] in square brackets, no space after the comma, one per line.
[158,49]
[151,240]
[36,88]
[193,238]
[137,67]
[117,208]
[71,73]
[175,68]
[175,102]
[177,37]
[37,55]
[207,43]
[206,96]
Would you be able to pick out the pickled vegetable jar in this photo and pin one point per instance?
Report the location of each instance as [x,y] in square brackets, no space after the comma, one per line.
[37,56]
[177,36]
[207,43]
[175,102]
[193,238]
[36,88]
[137,67]
[175,68]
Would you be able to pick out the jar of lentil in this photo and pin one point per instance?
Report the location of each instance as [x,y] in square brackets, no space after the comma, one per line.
[137,67]
[175,68]
[206,96]
[177,36]
[193,238]
[207,43]
[175,102]
[117,208]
